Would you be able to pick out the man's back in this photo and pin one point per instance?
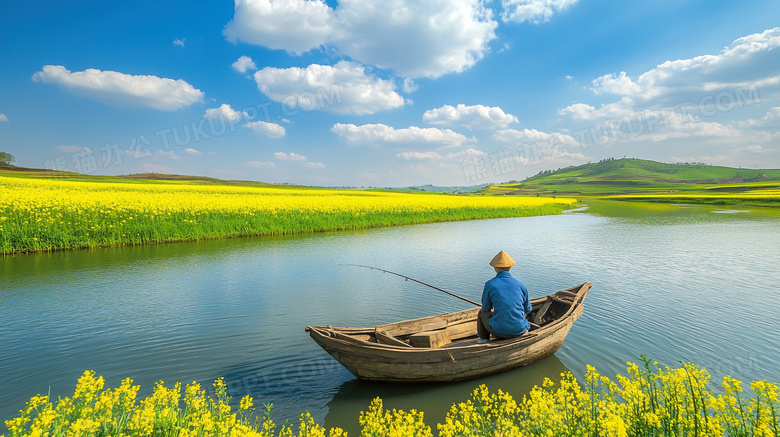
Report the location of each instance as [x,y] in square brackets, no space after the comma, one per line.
[508,298]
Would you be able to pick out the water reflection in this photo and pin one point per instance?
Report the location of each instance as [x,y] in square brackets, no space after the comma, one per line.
[665,213]
[288,384]
[354,396]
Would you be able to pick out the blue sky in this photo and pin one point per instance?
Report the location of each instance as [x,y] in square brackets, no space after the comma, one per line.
[386,93]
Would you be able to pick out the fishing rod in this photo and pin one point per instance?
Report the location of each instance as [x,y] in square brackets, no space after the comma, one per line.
[533,325]
[415,280]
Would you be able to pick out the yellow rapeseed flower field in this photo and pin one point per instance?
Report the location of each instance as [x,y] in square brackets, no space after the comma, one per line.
[649,400]
[46,214]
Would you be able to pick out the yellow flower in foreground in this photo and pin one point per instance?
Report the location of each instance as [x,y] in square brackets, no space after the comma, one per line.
[648,401]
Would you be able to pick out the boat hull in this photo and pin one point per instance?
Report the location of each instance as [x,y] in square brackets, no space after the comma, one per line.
[457,361]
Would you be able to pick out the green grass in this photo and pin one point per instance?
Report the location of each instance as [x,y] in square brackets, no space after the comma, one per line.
[90,229]
[637,179]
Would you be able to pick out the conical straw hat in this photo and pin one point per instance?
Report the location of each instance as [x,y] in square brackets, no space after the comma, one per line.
[502,260]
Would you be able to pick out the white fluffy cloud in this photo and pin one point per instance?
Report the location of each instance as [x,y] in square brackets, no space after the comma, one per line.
[123,90]
[192,152]
[425,165]
[752,60]
[179,42]
[261,164]
[226,112]
[344,88]
[756,149]
[420,156]
[686,101]
[534,147]
[372,134]
[772,118]
[655,125]
[531,136]
[282,156]
[535,11]
[244,64]
[293,25]
[271,130]
[409,86]
[583,111]
[415,38]
[292,156]
[3,117]
[611,84]
[465,154]
[472,117]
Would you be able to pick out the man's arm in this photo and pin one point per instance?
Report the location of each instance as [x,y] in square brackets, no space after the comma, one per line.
[527,303]
[487,305]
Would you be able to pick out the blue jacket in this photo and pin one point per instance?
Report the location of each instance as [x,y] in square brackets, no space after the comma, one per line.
[508,298]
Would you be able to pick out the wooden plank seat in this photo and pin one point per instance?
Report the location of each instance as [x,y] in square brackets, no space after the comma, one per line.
[430,339]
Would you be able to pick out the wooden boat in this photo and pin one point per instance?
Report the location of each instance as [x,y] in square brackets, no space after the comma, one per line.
[444,347]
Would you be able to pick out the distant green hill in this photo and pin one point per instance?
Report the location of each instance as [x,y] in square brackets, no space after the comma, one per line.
[633,176]
[24,172]
[446,188]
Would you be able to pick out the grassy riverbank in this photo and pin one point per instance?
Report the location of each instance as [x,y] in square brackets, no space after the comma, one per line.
[648,401]
[39,214]
[748,194]
[650,181]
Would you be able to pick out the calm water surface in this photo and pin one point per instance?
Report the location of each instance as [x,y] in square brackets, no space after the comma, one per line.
[676,283]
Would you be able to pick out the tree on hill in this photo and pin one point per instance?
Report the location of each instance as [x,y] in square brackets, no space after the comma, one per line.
[6,158]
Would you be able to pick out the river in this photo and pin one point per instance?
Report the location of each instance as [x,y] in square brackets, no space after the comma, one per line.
[673,282]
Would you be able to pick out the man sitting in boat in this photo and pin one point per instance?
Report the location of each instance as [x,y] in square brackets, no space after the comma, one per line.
[504,303]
